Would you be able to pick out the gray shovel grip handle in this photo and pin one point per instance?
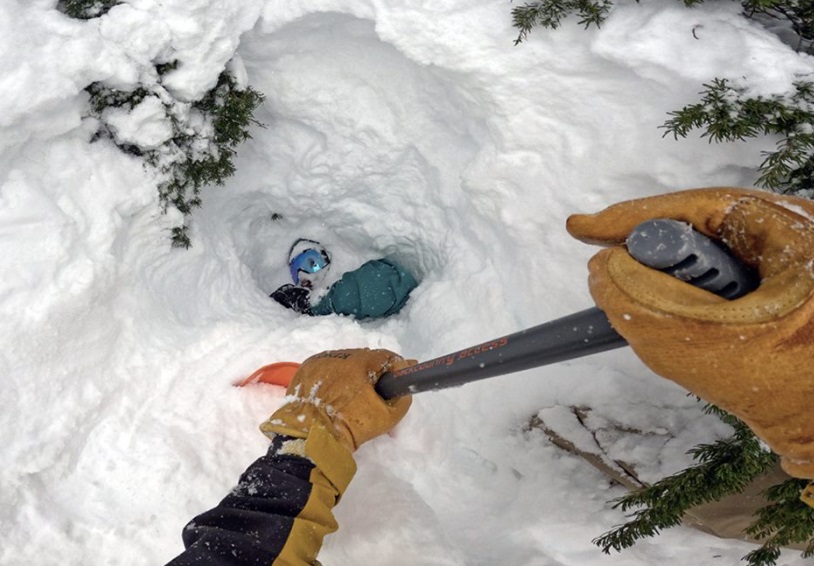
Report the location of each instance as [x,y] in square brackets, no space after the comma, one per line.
[675,248]
[667,245]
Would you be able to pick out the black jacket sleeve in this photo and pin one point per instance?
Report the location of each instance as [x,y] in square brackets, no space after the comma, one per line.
[281,508]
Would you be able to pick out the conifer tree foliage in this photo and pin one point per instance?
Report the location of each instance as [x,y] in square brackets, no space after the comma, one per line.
[797,14]
[85,9]
[727,113]
[550,14]
[786,520]
[193,143]
[200,144]
[724,467]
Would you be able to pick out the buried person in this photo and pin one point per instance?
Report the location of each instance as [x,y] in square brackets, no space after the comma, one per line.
[377,289]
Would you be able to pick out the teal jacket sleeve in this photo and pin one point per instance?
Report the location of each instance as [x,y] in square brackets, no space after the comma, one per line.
[377,289]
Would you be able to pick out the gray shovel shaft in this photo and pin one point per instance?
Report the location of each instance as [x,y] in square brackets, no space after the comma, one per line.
[580,334]
[667,245]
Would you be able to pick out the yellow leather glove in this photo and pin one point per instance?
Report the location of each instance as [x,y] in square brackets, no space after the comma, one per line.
[753,356]
[334,390]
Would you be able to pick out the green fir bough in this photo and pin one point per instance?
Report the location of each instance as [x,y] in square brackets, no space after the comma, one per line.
[85,9]
[724,467]
[191,144]
[728,113]
[786,520]
[202,142]
[550,14]
[797,15]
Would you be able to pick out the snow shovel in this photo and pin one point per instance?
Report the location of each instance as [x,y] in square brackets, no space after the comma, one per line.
[279,373]
[668,245]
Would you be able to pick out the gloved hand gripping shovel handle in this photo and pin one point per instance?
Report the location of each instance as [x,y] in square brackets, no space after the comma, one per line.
[667,245]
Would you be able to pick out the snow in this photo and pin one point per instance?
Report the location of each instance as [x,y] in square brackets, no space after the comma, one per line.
[412,129]
[145,125]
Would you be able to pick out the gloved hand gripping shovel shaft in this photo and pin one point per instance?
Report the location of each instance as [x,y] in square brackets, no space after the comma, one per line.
[667,245]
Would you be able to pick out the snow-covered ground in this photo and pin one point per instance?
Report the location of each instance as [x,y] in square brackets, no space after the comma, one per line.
[413,129]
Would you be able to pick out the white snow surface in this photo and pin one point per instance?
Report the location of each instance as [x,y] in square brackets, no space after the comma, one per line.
[413,129]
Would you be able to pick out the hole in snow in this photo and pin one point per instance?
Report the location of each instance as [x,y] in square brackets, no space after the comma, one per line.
[363,151]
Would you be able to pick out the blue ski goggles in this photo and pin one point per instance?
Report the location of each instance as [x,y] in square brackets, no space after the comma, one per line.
[309,261]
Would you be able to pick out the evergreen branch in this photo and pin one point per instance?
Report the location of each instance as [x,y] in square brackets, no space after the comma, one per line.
[800,15]
[786,521]
[790,169]
[205,135]
[726,113]
[550,13]
[725,467]
[720,112]
[85,9]
[765,555]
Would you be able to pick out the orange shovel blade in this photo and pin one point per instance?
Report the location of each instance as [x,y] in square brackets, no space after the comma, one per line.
[275,374]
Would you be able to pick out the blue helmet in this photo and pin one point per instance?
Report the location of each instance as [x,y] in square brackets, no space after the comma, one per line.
[305,259]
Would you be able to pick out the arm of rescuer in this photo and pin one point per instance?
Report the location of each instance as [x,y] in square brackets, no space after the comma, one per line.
[282,507]
[752,356]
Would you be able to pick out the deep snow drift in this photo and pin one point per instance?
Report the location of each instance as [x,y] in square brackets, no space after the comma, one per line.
[409,129]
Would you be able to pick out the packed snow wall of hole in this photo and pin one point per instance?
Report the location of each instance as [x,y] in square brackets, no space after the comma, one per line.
[362,149]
